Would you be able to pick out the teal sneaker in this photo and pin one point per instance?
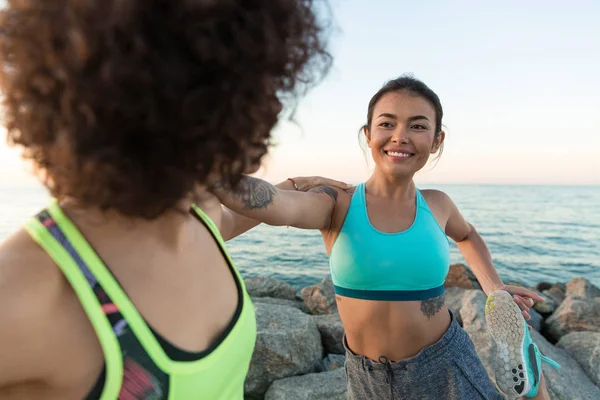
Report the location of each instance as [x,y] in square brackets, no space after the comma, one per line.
[518,359]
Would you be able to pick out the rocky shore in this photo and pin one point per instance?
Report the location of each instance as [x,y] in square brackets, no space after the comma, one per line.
[299,353]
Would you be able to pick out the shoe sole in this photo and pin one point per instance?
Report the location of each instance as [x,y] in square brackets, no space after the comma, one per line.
[508,327]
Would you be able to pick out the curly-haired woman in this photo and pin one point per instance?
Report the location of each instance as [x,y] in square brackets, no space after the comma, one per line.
[128,109]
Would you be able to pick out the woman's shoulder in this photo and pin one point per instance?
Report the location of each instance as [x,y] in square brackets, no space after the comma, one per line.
[435,196]
[31,290]
[28,276]
[438,202]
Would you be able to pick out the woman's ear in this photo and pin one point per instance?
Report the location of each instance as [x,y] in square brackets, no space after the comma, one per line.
[437,142]
[367,133]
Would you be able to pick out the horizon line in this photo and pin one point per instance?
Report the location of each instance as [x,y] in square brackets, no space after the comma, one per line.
[35,183]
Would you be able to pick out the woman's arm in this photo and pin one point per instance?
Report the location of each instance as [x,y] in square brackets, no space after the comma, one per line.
[259,200]
[234,224]
[478,257]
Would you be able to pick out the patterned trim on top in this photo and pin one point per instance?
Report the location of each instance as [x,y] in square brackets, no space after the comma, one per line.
[142,379]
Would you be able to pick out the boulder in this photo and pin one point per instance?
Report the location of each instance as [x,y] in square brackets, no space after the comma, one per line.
[473,317]
[543,286]
[546,307]
[583,288]
[570,381]
[320,298]
[269,287]
[333,362]
[556,293]
[282,302]
[584,347]
[575,314]
[332,333]
[454,296]
[329,385]
[461,276]
[288,343]
[536,320]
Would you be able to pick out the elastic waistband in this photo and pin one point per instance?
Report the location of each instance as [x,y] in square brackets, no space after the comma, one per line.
[455,339]
[390,295]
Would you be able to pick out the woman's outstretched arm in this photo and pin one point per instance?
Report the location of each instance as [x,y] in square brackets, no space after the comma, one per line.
[234,224]
[257,199]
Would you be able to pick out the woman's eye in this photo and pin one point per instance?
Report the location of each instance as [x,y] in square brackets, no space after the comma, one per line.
[418,127]
[386,125]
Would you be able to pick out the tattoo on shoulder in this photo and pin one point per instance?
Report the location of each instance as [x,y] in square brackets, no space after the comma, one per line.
[328,190]
[255,193]
[430,307]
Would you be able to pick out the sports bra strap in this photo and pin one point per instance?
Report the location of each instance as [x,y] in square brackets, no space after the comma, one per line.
[44,230]
[216,234]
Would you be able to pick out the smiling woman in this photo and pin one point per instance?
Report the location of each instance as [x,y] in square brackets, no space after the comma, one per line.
[388,250]
[388,121]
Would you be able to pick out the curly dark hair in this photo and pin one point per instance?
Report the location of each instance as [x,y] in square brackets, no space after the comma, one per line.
[128,104]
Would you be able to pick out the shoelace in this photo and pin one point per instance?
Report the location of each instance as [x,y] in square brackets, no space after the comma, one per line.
[545,359]
[549,361]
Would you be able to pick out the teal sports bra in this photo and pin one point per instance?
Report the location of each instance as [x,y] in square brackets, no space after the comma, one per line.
[373,265]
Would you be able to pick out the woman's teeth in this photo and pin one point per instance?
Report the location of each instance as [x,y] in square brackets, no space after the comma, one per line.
[395,154]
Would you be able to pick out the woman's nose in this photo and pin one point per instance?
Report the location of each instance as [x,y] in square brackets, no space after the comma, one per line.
[400,135]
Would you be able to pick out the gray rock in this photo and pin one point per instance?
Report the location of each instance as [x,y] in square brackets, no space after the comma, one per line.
[584,347]
[332,332]
[282,302]
[561,286]
[461,276]
[473,316]
[540,287]
[536,320]
[454,296]
[321,386]
[269,287]
[575,314]
[556,293]
[333,362]
[583,288]
[288,344]
[320,298]
[546,307]
[570,382]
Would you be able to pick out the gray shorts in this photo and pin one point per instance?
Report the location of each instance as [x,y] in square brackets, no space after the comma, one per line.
[448,369]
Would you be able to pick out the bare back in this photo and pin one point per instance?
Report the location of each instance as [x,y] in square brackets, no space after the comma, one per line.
[171,268]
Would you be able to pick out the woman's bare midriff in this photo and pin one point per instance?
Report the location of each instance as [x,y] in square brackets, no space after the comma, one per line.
[394,329]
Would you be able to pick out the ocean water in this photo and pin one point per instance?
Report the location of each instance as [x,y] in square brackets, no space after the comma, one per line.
[535,233]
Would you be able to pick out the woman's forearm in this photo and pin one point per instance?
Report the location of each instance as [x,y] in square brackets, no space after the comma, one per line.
[479,259]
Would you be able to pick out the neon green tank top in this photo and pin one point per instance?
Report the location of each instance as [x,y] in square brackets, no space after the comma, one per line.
[136,364]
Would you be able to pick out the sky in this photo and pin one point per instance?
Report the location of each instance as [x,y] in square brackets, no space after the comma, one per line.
[519,83]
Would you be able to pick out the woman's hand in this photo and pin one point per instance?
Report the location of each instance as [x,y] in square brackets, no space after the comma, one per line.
[304,184]
[524,298]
